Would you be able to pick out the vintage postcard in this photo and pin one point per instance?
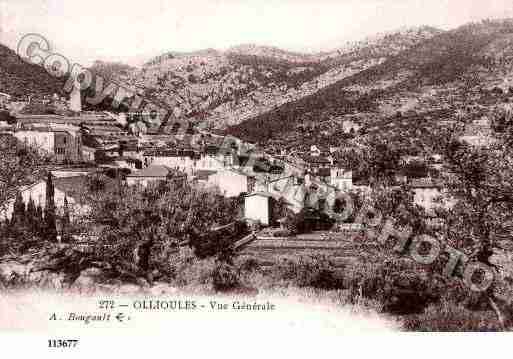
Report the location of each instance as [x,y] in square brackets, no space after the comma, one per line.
[255,177]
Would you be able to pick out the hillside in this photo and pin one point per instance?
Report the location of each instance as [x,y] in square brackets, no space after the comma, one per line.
[447,71]
[20,79]
[228,87]
[111,70]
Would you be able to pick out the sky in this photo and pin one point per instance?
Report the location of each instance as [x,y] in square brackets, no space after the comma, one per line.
[134,31]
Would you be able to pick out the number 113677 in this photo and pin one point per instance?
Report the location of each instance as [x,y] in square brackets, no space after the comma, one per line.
[62,343]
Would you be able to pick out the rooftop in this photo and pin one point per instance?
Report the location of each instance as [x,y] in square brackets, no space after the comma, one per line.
[425,183]
[204,174]
[154,171]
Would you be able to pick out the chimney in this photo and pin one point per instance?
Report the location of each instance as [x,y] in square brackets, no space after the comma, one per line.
[75,101]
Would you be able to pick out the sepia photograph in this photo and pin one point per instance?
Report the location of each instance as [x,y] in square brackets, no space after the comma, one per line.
[243,172]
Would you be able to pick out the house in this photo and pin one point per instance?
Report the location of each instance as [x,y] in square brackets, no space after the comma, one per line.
[69,188]
[315,163]
[232,183]
[201,177]
[127,163]
[4,99]
[88,154]
[84,119]
[478,140]
[154,174]
[429,194]
[478,133]
[258,207]
[315,151]
[293,189]
[64,144]
[350,127]
[213,162]
[182,159]
[68,172]
[341,179]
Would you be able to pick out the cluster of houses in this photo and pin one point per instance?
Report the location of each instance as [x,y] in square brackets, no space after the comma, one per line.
[87,142]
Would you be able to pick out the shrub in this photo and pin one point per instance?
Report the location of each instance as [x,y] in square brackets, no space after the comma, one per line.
[307,220]
[448,316]
[315,272]
[209,274]
[395,283]
[225,278]
[195,273]
[246,265]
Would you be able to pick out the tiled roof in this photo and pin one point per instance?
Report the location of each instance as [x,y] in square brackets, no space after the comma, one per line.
[72,186]
[425,183]
[204,174]
[315,159]
[261,194]
[152,171]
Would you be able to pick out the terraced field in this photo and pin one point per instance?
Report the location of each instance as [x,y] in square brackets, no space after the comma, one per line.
[341,248]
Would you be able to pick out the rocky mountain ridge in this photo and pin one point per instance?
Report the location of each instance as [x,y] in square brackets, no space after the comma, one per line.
[452,71]
[228,87]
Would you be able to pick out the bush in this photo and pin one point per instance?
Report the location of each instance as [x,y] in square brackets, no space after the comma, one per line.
[209,274]
[225,278]
[449,317]
[396,284]
[307,220]
[248,265]
[315,272]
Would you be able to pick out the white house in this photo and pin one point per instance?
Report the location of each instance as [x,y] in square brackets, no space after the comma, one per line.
[172,159]
[44,140]
[232,183]
[292,189]
[211,162]
[188,161]
[341,178]
[64,143]
[478,133]
[72,172]
[64,188]
[429,194]
[349,126]
[88,154]
[4,99]
[258,207]
[152,174]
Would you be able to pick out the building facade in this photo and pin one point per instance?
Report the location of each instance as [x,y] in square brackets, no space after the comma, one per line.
[258,208]
[64,146]
[232,183]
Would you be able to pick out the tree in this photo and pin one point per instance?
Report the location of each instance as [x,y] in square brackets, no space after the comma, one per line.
[481,183]
[143,225]
[39,220]
[416,169]
[397,203]
[31,217]
[352,205]
[66,223]
[19,166]
[502,123]
[50,227]
[18,215]
[380,159]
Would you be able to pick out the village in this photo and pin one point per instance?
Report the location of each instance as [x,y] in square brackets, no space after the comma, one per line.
[373,176]
[80,143]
